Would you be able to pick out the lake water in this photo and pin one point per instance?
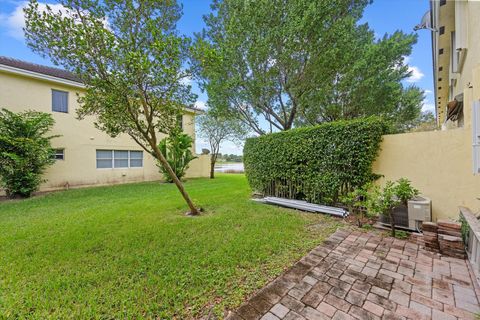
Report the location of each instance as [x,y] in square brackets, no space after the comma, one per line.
[222,167]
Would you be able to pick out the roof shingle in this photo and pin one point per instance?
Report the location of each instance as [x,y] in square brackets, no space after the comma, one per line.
[50,71]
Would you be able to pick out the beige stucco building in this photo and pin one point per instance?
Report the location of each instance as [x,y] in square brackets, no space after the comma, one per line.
[85,155]
[445,164]
[456,57]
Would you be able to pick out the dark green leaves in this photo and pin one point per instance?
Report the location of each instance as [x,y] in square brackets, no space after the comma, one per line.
[127,54]
[303,62]
[131,60]
[316,163]
[25,150]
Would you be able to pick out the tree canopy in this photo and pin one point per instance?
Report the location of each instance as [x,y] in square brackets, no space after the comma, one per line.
[217,127]
[303,62]
[130,58]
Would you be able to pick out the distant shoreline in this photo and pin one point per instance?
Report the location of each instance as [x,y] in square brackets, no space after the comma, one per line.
[228,162]
[229,167]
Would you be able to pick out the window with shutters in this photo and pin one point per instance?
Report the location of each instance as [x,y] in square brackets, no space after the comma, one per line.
[476,136]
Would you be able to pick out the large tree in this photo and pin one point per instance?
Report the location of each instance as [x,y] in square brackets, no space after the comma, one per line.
[217,127]
[131,60]
[298,62]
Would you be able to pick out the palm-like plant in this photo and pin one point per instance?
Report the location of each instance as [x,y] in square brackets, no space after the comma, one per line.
[176,148]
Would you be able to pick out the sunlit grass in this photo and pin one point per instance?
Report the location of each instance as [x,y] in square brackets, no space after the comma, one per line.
[128,251]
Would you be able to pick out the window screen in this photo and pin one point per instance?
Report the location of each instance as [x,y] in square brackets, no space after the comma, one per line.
[104,159]
[120,159]
[59,101]
[136,159]
[107,159]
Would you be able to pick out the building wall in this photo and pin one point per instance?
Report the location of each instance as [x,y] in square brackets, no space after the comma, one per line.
[444,16]
[80,139]
[439,163]
[467,33]
[461,19]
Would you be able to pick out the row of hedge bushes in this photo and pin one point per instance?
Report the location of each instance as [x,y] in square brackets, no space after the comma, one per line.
[318,164]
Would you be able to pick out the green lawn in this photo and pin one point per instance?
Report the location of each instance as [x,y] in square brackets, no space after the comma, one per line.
[128,251]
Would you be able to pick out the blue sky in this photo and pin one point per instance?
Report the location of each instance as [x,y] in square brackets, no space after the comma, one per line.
[383,16]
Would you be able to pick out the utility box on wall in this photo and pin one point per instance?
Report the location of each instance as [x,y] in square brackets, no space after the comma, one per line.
[419,210]
[411,217]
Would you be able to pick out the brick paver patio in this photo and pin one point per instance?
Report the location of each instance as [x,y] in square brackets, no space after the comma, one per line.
[356,275]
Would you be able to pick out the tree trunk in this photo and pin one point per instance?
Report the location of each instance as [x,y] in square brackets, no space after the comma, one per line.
[212,169]
[193,210]
[392,221]
[213,160]
[359,215]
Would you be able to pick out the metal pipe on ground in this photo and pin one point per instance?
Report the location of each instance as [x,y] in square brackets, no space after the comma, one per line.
[306,206]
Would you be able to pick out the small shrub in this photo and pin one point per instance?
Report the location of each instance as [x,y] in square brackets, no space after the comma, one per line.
[176,148]
[318,164]
[465,229]
[356,202]
[384,201]
[25,151]
[404,190]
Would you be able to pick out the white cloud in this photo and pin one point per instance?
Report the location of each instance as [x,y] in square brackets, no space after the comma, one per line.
[428,91]
[14,22]
[202,105]
[428,106]
[415,74]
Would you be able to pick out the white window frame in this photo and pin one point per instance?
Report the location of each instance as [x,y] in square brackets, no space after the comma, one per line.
[59,153]
[453,52]
[476,136]
[113,159]
[96,159]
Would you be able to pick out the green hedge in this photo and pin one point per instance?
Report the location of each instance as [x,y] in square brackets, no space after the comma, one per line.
[317,163]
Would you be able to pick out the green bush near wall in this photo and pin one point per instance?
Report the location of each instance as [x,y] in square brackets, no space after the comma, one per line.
[317,164]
